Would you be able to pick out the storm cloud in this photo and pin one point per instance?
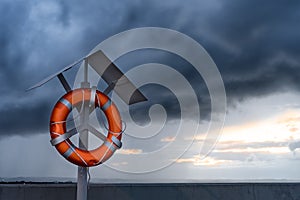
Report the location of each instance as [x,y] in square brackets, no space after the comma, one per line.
[255,45]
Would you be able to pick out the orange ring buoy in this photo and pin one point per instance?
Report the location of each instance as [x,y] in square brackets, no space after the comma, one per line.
[59,136]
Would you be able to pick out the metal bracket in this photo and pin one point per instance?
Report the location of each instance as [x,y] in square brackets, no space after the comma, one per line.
[64,82]
[109,88]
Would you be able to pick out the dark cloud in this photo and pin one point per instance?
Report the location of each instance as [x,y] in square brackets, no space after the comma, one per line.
[255,44]
[265,55]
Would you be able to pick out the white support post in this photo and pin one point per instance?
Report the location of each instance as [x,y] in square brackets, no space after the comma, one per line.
[82,184]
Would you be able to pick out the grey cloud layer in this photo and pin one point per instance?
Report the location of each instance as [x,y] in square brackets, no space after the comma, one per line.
[255,45]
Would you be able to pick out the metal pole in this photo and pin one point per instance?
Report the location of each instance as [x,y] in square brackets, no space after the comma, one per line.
[83,141]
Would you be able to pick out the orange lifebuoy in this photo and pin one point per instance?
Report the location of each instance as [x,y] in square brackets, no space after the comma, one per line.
[60,137]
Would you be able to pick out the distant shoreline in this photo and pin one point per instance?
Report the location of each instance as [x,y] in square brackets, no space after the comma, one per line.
[277,182]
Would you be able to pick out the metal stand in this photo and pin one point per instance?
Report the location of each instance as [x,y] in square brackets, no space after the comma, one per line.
[110,74]
[82,180]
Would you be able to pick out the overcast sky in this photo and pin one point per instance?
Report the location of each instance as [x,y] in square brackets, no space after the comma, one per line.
[255,45]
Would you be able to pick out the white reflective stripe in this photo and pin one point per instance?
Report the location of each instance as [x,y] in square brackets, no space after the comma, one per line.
[116,141]
[93,96]
[68,153]
[63,137]
[106,105]
[110,146]
[66,103]
[73,148]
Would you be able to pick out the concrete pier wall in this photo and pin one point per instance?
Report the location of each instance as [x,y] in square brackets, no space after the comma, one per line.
[174,191]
